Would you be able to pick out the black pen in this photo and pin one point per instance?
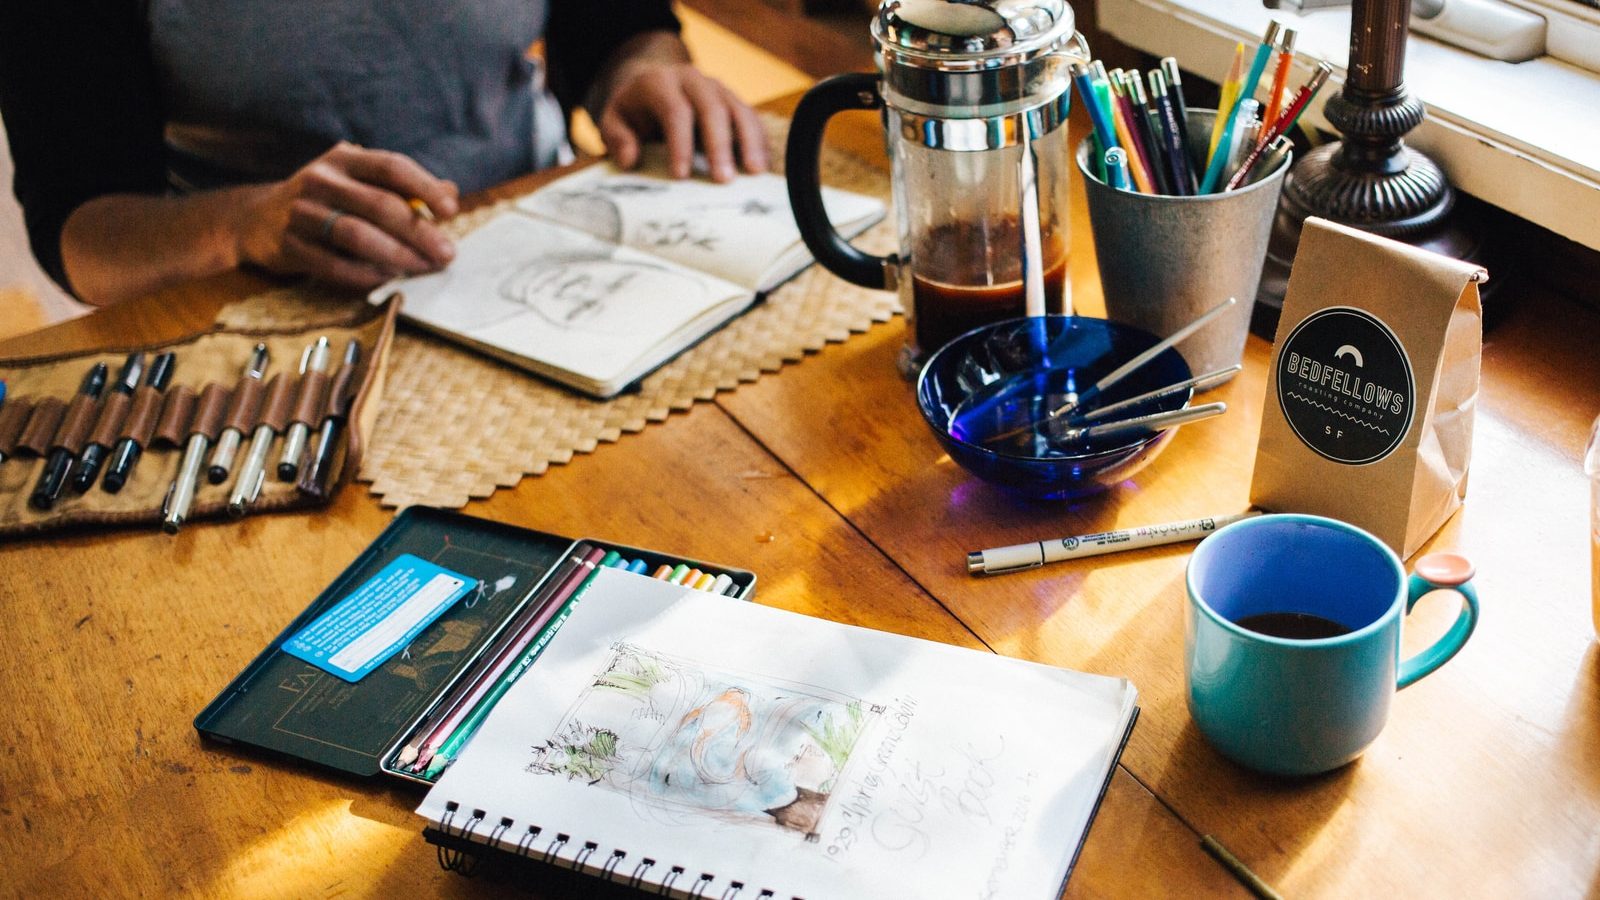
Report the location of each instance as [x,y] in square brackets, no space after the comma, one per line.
[112,415]
[242,409]
[141,421]
[1172,132]
[1180,106]
[314,477]
[73,428]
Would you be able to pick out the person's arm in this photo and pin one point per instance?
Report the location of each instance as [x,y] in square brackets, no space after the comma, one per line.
[624,61]
[80,101]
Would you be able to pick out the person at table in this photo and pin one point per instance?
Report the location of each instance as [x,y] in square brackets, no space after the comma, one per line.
[162,140]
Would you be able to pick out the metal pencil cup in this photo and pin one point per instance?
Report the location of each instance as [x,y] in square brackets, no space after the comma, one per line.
[1165,260]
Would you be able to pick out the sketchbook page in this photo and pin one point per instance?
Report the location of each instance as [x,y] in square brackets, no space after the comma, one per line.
[743,230]
[563,303]
[788,753]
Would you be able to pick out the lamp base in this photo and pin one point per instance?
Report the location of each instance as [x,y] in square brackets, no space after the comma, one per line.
[1412,203]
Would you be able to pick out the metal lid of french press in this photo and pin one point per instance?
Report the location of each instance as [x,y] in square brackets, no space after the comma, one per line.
[973,58]
[960,35]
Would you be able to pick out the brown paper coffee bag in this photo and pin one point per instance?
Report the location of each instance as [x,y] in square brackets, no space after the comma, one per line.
[1374,379]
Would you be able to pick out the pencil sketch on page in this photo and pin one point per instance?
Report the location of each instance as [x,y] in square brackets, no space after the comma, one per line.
[682,740]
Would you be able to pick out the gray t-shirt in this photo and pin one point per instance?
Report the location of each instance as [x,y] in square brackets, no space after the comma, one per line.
[254,90]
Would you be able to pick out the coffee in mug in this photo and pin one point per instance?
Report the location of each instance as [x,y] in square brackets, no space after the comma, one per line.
[1292,638]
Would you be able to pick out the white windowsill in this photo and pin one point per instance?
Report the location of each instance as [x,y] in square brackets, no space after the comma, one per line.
[1524,137]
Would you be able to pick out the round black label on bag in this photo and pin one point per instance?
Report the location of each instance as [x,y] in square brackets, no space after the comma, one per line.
[1345,385]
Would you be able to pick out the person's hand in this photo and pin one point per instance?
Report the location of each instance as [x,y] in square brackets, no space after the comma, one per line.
[671,99]
[346,218]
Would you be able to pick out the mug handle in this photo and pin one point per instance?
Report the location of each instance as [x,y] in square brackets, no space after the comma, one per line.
[803,162]
[1441,571]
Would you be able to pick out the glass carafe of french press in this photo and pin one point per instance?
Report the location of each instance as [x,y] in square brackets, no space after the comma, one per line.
[974,97]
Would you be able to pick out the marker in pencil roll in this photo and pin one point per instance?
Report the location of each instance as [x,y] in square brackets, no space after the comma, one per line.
[307,409]
[69,439]
[112,414]
[244,404]
[1017,557]
[140,424]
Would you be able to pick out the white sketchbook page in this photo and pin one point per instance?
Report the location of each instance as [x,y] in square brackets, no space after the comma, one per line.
[743,230]
[958,773]
[561,297]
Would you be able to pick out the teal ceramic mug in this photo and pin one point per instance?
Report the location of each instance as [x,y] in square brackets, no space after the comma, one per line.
[1292,638]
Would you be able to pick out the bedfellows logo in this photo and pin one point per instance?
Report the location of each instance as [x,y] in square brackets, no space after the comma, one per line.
[1345,385]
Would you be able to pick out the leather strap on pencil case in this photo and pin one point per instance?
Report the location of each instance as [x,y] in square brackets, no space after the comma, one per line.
[205,396]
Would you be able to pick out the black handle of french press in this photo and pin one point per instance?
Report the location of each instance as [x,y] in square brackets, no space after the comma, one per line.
[804,164]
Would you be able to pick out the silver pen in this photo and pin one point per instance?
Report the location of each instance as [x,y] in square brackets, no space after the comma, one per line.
[274,412]
[207,418]
[243,396]
[308,407]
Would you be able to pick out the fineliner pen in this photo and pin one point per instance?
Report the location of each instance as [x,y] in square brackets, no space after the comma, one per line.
[78,419]
[1017,557]
[141,420]
[112,413]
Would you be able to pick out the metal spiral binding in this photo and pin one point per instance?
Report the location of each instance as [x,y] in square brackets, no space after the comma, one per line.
[639,871]
[525,843]
[465,862]
[589,847]
[551,851]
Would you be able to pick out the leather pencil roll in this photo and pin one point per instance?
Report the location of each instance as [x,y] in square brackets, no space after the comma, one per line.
[75,427]
[39,436]
[113,412]
[141,421]
[13,418]
[173,427]
[209,411]
[342,392]
[279,400]
[309,403]
[244,407]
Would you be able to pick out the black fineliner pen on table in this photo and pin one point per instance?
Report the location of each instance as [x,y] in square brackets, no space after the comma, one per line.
[242,409]
[76,424]
[314,477]
[141,421]
[112,413]
[308,408]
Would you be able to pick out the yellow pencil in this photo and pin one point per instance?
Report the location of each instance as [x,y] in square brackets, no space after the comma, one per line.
[1230,93]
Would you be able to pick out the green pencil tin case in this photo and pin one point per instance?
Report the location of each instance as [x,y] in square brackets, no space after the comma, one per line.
[286,706]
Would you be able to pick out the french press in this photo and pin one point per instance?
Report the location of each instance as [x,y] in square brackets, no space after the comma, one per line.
[974,97]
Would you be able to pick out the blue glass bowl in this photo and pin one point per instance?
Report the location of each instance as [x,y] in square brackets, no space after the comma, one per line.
[1007,376]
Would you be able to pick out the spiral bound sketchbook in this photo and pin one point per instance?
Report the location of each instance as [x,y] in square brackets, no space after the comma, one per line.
[696,746]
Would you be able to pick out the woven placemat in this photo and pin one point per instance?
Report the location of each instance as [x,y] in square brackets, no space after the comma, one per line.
[456,426]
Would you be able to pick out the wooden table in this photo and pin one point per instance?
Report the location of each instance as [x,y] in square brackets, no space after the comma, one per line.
[825,481]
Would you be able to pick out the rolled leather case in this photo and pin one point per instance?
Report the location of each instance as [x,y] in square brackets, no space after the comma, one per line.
[40,434]
[310,403]
[176,414]
[141,421]
[244,407]
[209,412]
[342,392]
[13,418]
[75,428]
[276,407]
[113,413]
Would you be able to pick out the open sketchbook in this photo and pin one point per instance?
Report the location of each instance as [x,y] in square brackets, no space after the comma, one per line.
[601,276]
[704,747]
